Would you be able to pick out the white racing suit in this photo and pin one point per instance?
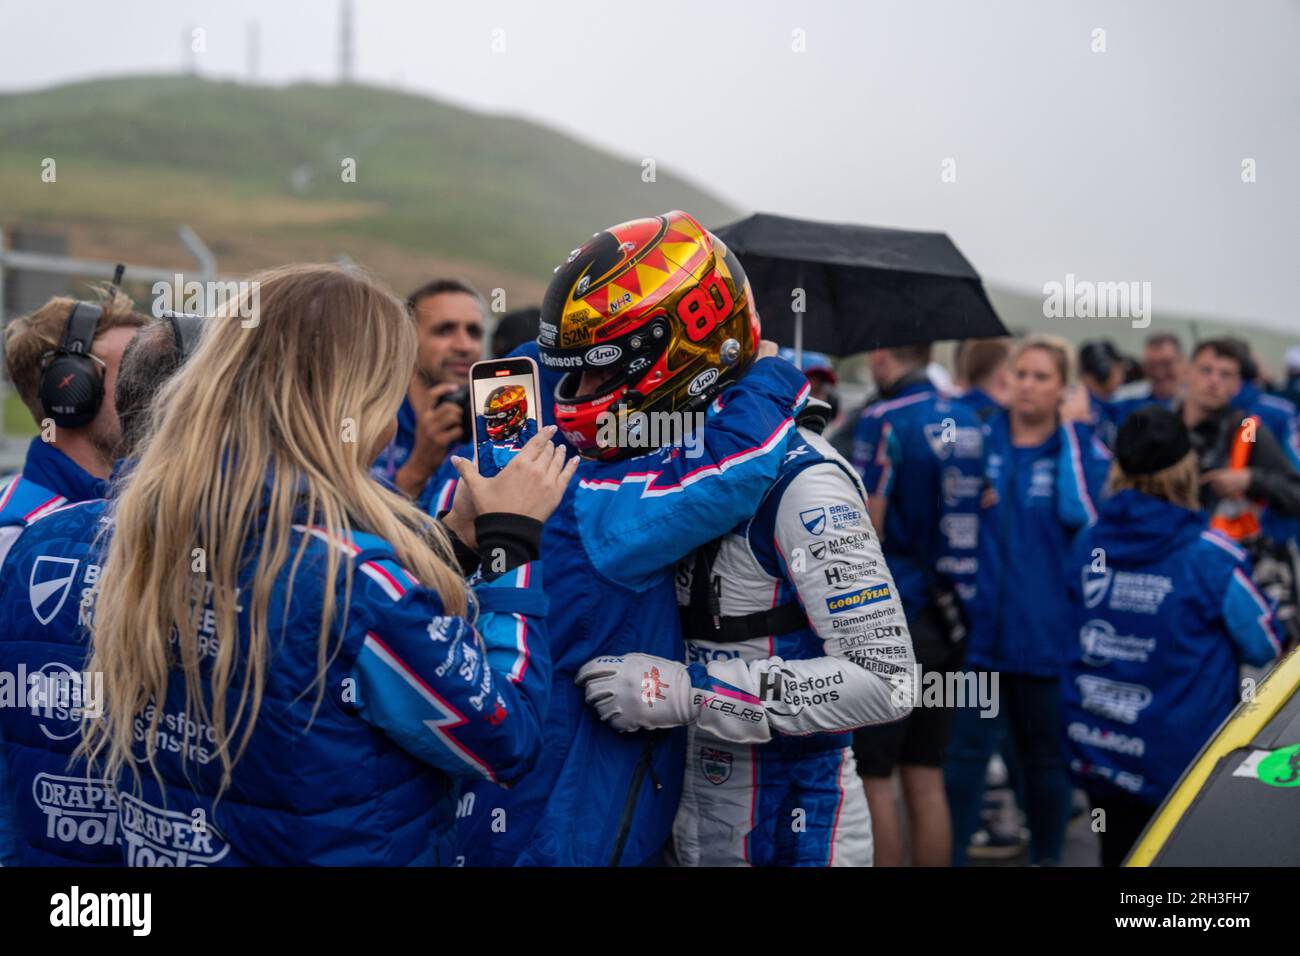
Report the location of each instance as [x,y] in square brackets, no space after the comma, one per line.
[800,592]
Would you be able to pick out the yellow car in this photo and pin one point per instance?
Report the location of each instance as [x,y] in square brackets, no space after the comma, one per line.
[1238,804]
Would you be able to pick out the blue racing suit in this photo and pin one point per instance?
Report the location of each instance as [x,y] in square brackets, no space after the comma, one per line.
[49,479]
[495,455]
[796,609]
[1165,612]
[598,797]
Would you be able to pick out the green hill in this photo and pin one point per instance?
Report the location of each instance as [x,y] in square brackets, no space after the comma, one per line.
[232,160]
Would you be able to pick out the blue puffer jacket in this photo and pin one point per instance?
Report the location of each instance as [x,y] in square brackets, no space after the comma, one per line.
[597,796]
[1045,494]
[413,700]
[1164,612]
[64,816]
[49,480]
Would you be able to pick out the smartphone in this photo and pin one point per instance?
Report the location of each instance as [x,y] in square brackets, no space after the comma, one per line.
[504,399]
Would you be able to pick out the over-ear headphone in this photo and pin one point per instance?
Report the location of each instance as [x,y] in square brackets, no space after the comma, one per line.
[72,388]
[186,329]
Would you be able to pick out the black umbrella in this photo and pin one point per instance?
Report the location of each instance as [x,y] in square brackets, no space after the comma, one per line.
[864,288]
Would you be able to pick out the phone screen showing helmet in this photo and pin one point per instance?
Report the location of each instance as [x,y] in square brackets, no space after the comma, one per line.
[503,398]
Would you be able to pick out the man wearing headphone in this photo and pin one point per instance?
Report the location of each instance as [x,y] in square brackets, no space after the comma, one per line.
[46,586]
[63,361]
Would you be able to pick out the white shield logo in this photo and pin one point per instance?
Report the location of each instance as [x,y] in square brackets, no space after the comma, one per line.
[49,584]
[1095,585]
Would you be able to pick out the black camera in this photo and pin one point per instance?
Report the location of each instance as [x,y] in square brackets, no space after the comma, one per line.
[461,397]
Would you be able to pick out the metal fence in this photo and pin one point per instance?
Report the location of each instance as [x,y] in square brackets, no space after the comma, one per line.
[33,268]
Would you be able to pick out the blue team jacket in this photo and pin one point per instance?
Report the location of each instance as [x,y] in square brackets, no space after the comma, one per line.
[1162,613]
[1045,494]
[414,700]
[49,480]
[493,456]
[598,796]
[924,453]
[64,816]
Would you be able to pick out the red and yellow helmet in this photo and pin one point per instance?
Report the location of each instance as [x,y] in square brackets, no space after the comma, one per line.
[506,411]
[659,310]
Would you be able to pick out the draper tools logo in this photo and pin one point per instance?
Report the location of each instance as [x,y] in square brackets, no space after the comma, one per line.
[158,837]
[77,809]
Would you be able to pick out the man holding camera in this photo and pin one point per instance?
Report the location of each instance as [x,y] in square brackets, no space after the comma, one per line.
[449,316]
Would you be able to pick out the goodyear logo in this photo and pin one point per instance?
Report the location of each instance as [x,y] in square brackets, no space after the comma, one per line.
[871,594]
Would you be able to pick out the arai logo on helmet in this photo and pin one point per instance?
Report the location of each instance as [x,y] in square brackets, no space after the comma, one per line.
[603,354]
[703,381]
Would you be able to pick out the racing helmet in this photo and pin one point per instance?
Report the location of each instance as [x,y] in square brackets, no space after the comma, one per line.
[660,310]
[505,412]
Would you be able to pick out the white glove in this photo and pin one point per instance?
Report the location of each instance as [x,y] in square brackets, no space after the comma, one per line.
[643,692]
[638,691]
[728,707]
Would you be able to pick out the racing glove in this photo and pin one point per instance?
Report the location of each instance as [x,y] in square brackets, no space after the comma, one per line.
[643,692]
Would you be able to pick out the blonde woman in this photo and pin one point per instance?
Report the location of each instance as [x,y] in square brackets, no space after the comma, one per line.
[1044,471]
[294,668]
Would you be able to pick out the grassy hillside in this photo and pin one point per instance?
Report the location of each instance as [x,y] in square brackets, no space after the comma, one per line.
[259,166]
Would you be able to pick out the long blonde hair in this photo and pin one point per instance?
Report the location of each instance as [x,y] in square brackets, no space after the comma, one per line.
[259,423]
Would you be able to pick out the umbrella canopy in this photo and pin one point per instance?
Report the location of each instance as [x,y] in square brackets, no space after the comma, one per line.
[864,288]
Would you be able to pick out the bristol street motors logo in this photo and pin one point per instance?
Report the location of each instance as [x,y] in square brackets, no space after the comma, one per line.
[814,519]
[1095,586]
[49,585]
[652,687]
[715,765]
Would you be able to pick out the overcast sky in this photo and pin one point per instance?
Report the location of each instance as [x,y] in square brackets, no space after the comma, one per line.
[1117,165]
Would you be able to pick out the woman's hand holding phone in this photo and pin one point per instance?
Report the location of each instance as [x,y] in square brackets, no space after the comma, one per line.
[531,484]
